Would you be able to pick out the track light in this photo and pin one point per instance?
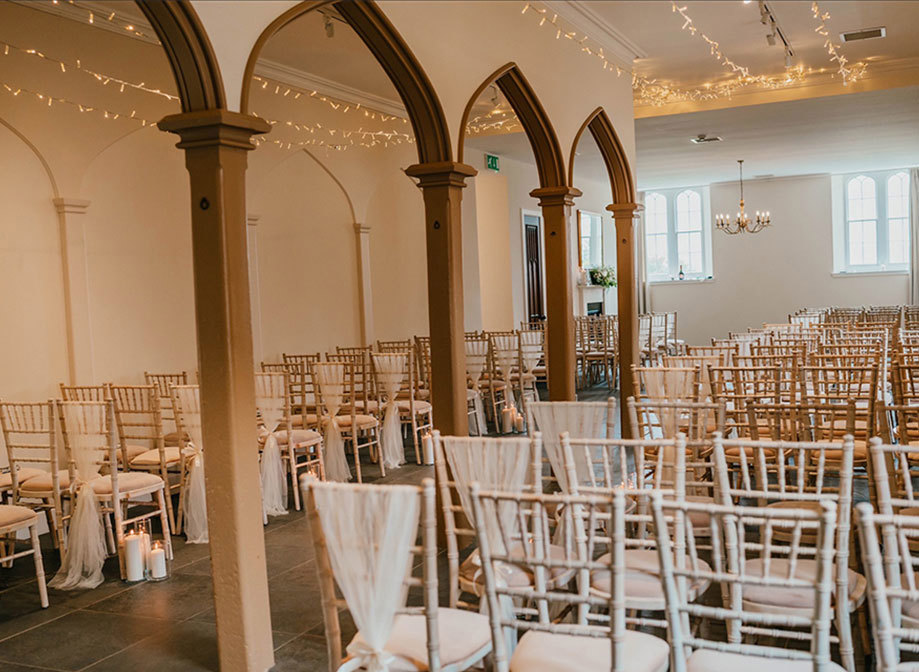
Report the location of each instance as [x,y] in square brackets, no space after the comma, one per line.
[329,26]
[770,38]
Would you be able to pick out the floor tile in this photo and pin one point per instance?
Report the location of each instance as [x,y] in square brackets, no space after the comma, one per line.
[179,597]
[306,652]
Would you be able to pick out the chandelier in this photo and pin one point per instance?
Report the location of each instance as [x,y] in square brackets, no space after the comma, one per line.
[742,223]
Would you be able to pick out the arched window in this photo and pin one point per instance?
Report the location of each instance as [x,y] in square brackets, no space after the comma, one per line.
[656,235]
[876,222]
[676,234]
[898,218]
[862,221]
[689,231]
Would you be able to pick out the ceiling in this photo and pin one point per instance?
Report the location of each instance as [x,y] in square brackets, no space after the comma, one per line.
[676,57]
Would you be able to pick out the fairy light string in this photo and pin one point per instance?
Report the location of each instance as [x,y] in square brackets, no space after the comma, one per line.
[848,73]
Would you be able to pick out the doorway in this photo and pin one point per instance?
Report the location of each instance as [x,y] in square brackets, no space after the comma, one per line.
[532,223]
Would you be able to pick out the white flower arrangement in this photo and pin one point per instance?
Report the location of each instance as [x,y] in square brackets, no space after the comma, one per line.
[603,276]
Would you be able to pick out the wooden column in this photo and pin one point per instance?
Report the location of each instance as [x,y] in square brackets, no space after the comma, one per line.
[215,144]
[625,215]
[442,184]
[560,247]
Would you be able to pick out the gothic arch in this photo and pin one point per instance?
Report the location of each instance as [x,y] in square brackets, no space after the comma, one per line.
[617,164]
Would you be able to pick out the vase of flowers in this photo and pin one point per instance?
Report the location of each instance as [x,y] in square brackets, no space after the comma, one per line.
[603,276]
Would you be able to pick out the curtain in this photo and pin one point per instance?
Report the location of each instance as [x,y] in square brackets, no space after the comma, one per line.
[641,269]
[914,236]
[369,532]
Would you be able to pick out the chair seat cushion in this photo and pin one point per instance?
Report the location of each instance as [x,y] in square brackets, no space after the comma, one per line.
[172,438]
[793,598]
[516,576]
[363,421]
[550,652]
[734,451]
[151,458]
[642,580]
[405,405]
[23,474]
[311,419]
[705,660]
[299,436]
[16,515]
[42,485]
[127,481]
[462,634]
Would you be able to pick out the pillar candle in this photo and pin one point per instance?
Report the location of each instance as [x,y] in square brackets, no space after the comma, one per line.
[428,449]
[507,420]
[133,557]
[518,423]
[157,562]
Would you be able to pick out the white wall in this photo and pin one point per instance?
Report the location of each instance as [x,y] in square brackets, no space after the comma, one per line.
[764,277]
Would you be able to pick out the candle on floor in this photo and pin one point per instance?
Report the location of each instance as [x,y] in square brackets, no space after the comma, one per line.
[157,561]
[427,443]
[518,422]
[507,420]
[133,557]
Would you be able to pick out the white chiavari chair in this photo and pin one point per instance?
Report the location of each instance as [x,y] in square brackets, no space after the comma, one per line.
[691,650]
[364,541]
[597,640]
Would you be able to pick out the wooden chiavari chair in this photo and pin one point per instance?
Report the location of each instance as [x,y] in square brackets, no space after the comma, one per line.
[725,352]
[140,430]
[32,448]
[164,383]
[737,386]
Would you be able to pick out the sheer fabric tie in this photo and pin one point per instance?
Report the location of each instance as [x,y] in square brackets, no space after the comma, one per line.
[581,421]
[369,532]
[270,400]
[390,369]
[195,505]
[331,379]
[672,386]
[476,354]
[85,554]
[505,357]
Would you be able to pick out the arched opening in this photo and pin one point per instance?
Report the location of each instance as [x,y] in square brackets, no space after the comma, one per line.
[606,241]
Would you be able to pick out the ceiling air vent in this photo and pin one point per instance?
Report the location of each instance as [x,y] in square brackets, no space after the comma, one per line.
[864,34]
[702,138]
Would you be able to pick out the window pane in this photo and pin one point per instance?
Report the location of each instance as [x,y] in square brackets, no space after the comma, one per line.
[655,213]
[898,196]
[861,198]
[690,251]
[657,255]
[689,211]
[863,243]
[591,240]
[898,240]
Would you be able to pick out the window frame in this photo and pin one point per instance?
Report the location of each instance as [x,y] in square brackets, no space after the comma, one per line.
[673,233]
[882,264]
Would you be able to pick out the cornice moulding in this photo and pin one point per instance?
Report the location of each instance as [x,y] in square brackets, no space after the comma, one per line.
[615,43]
[306,80]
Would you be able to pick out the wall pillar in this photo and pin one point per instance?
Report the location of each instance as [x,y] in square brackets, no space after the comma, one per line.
[255,292]
[625,215]
[365,281]
[215,144]
[71,215]
[560,251]
[442,184]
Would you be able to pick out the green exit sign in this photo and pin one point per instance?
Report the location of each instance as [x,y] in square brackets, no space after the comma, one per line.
[491,162]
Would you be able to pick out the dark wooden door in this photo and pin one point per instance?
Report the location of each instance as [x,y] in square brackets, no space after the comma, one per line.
[533,271]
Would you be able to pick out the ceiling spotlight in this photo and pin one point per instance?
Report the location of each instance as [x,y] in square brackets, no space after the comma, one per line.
[788,63]
[329,26]
[770,38]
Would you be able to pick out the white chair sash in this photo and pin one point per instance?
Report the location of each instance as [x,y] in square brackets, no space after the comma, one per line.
[369,532]
[505,357]
[390,370]
[582,420]
[195,503]
[330,377]
[476,356]
[673,385]
[531,342]
[84,558]
[271,401]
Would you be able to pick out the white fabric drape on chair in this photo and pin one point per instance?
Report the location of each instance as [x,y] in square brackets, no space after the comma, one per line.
[506,357]
[390,370]
[270,401]
[331,379]
[674,385]
[369,532]
[476,356]
[195,505]
[84,558]
[582,420]
[914,236]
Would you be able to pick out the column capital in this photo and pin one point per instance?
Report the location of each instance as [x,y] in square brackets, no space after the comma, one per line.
[252,219]
[361,229]
[549,196]
[441,174]
[625,210]
[207,128]
[70,206]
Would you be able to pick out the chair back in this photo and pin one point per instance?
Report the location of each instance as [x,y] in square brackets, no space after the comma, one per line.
[139,419]
[30,437]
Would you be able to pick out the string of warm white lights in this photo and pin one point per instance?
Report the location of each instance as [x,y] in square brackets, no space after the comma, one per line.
[393,137]
[745,77]
[16,91]
[337,104]
[848,73]
[111,17]
[121,84]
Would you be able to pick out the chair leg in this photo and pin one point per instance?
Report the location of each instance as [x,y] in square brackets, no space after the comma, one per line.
[164,474]
[357,458]
[39,565]
[111,547]
[164,520]
[415,436]
[292,457]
